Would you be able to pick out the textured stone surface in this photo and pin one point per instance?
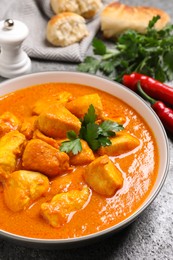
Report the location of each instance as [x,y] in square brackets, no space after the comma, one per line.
[149,237]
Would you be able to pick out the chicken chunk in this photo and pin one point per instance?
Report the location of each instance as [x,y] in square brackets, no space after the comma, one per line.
[28,127]
[42,157]
[103,176]
[61,208]
[8,122]
[24,187]
[11,147]
[42,105]
[84,157]
[66,182]
[38,135]
[79,106]
[56,122]
[121,143]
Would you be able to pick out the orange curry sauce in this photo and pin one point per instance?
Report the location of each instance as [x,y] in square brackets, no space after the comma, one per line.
[139,169]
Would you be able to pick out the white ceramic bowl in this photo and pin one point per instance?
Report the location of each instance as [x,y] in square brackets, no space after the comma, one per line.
[127,96]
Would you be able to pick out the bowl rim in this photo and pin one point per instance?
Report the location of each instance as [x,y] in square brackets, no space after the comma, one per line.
[111,230]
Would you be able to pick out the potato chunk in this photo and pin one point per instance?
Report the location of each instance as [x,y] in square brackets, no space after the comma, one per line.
[24,187]
[59,211]
[79,106]
[42,157]
[121,143]
[8,122]
[84,157]
[103,176]
[56,122]
[11,147]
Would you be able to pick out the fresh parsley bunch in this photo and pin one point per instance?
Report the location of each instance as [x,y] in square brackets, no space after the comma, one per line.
[150,54]
[95,135]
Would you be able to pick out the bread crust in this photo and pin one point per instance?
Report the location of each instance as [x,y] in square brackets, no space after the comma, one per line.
[65,29]
[117,18]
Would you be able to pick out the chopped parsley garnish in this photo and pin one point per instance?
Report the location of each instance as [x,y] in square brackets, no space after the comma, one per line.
[94,134]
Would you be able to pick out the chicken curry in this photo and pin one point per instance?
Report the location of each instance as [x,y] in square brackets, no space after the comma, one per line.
[72,162]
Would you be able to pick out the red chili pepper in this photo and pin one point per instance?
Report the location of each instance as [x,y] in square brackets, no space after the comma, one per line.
[152,87]
[165,113]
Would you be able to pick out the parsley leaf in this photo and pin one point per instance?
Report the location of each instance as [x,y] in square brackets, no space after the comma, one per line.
[149,53]
[107,67]
[153,21]
[72,145]
[99,47]
[89,117]
[104,141]
[71,135]
[90,65]
[108,128]
[90,134]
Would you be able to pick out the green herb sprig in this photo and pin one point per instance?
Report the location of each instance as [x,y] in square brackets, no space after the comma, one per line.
[72,145]
[95,135]
[150,54]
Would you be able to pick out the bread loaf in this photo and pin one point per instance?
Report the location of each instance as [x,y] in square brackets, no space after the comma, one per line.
[65,29]
[85,8]
[117,18]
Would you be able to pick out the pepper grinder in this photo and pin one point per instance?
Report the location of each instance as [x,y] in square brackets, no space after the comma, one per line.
[13,60]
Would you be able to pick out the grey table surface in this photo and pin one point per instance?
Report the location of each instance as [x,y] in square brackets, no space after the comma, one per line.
[149,237]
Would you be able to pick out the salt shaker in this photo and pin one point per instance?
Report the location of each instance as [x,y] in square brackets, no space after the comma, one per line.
[13,60]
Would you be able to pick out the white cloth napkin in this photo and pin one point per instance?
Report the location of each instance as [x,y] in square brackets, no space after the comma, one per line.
[35,14]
